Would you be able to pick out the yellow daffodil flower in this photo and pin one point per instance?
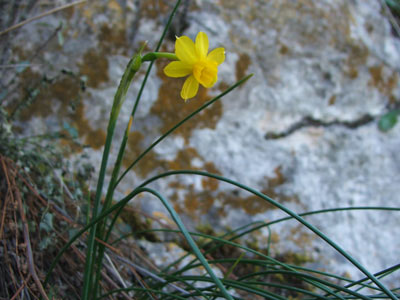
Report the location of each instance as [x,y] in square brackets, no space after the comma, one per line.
[195,61]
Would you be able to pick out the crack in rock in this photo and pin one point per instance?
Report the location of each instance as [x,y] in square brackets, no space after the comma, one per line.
[311,122]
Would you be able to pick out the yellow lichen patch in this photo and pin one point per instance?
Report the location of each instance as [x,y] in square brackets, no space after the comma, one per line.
[175,202]
[385,84]
[96,138]
[92,9]
[254,204]
[154,8]
[332,100]
[352,72]
[242,65]
[113,40]
[208,183]
[31,84]
[184,159]
[50,98]
[192,202]
[275,182]
[176,185]
[274,237]
[114,5]
[283,50]
[195,203]
[376,75]
[62,99]
[95,67]
[358,55]
[301,237]
[133,149]
[222,86]
[170,108]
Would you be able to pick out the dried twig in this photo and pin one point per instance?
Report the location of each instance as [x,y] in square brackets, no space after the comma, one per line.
[21,288]
[24,222]
[41,16]
[4,208]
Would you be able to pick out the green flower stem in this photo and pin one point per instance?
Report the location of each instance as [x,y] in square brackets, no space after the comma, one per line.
[286,210]
[131,69]
[154,55]
[112,185]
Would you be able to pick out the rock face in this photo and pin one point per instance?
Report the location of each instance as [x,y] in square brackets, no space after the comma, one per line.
[303,130]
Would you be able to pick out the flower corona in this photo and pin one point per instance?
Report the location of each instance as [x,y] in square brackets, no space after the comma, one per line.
[195,61]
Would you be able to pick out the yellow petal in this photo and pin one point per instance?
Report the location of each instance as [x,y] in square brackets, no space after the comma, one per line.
[202,44]
[205,72]
[185,50]
[190,88]
[211,83]
[177,69]
[217,55]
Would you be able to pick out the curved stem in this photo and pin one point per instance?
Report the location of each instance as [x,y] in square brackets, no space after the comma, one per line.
[286,210]
[119,99]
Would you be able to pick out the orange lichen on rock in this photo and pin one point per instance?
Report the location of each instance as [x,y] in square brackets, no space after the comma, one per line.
[208,183]
[134,148]
[197,203]
[385,84]
[61,98]
[253,204]
[242,65]
[357,57]
[95,67]
[113,40]
[152,9]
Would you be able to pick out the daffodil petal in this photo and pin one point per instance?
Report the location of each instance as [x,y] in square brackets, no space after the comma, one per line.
[201,44]
[190,88]
[177,69]
[185,50]
[210,84]
[217,55]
